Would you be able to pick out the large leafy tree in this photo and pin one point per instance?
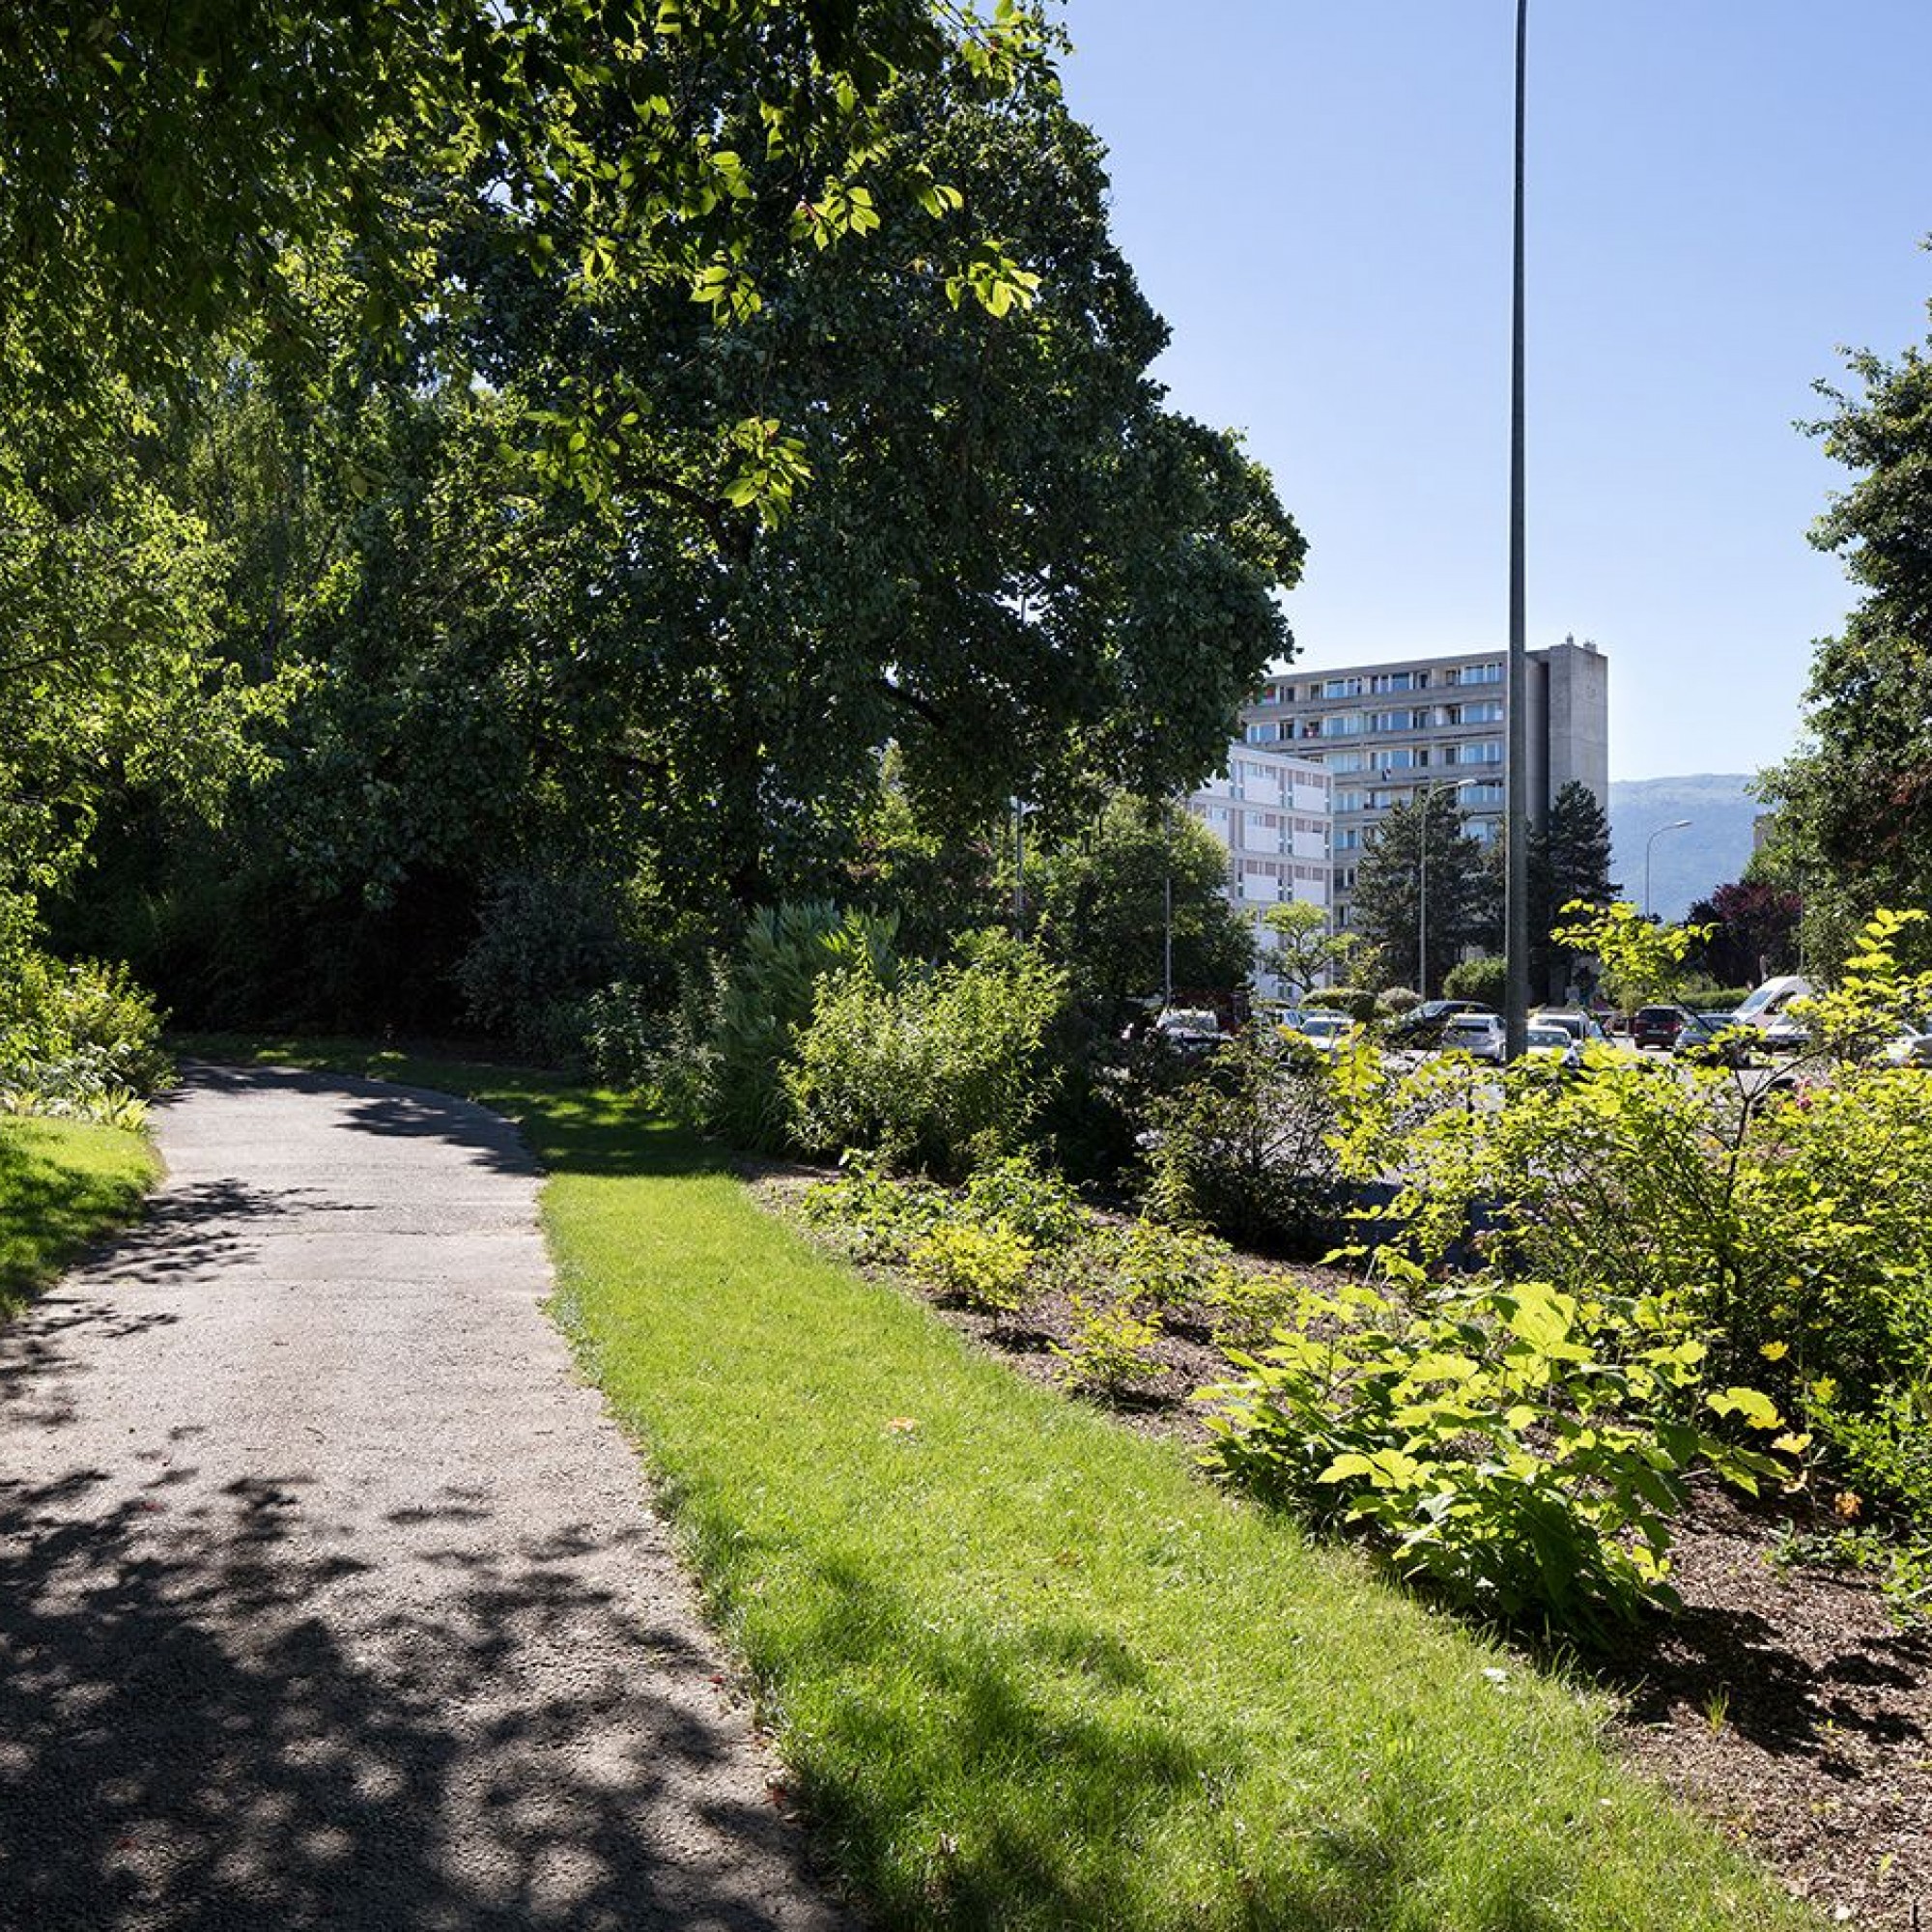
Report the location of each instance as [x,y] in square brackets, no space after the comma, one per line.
[1142,875]
[1855,803]
[1389,903]
[192,181]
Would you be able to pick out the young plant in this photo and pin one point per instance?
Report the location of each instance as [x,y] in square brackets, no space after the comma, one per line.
[1113,1348]
[985,1264]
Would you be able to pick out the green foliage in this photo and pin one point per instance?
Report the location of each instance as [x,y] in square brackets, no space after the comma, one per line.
[1854,804]
[544,943]
[1643,962]
[1520,1450]
[943,1070]
[1389,903]
[986,1264]
[1484,979]
[1156,1267]
[1361,1005]
[741,1036]
[1106,899]
[1243,1148]
[880,1217]
[1112,1347]
[80,1039]
[1569,864]
[1303,951]
[1018,1194]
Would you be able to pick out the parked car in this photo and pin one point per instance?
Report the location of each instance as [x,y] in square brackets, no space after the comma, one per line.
[1423,1025]
[1583,1027]
[1190,1031]
[1324,1032]
[1551,1048]
[1477,1034]
[1715,1039]
[1656,1026]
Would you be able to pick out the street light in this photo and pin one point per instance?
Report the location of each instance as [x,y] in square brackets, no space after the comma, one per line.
[1675,824]
[1516,899]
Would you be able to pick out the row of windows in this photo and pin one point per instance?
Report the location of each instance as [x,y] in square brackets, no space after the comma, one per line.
[1375,683]
[1352,723]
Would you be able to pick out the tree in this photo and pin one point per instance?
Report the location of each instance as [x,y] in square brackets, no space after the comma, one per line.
[322,187]
[1105,901]
[178,169]
[1569,864]
[1751,932]
[1306,952]
[1855,806]
[1389,903]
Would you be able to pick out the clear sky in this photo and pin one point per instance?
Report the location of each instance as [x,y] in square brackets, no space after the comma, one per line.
[1316,193]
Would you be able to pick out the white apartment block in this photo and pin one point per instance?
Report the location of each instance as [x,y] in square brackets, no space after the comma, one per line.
[1385,732]
[1272,813]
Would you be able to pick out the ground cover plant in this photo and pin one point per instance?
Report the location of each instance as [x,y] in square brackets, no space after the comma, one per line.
[1029,1670]
[63,1184]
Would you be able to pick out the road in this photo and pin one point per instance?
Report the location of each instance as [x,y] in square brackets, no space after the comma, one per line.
[328,1596]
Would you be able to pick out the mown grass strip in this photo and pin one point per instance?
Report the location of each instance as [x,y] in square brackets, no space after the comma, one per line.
[63,1184]
[1030,1670]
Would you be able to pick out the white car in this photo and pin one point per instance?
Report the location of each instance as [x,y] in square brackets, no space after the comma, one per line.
[1478,1035]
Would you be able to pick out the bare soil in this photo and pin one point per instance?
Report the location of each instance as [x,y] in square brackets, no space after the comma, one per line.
[1786,1702]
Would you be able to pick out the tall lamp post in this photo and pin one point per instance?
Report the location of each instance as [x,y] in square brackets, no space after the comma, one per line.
[1515,923]
[1675,824]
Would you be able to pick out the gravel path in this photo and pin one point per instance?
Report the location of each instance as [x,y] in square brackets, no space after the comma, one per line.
[328,1597]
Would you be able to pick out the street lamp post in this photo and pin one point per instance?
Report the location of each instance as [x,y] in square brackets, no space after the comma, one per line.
[1516,923]
[1675,824]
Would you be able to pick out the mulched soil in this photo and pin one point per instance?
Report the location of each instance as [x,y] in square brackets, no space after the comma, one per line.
[1784,1702]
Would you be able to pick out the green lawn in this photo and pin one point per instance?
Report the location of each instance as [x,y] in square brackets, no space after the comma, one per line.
[62,1184]
[1029,1669]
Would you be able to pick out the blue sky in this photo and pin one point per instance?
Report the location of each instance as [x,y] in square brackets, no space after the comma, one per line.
[1722,192]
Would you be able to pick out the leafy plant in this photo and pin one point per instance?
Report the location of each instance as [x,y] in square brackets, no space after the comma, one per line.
[943,1070]
[1113,1346]
[1245,1150]
[1518,1448]
[985,1264]
[1038,1205]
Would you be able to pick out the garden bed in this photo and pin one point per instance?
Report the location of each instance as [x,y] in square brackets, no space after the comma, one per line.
[1785,1702]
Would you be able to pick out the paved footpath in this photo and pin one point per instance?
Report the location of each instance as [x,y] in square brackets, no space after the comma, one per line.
[328,1596]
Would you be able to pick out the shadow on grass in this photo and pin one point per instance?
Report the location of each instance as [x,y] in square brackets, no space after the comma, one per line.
[50,1212]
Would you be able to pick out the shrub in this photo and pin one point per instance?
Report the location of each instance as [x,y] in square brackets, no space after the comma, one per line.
[881,1218]
[1486,979]
[79,1038]
[1520,1450]
[1037,1204]
[1155,1266]
[943,1070]
[543,942]
[985,1264]
[1245,1150]
[1392,1002]
[733,1034]
[1357,1002]
[1110,1349]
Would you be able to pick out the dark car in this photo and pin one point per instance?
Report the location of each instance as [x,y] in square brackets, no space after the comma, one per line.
[1656,1026]
[1715,1039]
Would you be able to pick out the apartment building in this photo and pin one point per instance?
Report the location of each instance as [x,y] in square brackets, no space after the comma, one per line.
[1385,732]
[1272,813]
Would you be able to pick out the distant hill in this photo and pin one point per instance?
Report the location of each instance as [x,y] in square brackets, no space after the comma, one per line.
[1711,850]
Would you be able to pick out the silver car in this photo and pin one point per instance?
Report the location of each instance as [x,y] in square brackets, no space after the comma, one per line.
[1479,1034]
